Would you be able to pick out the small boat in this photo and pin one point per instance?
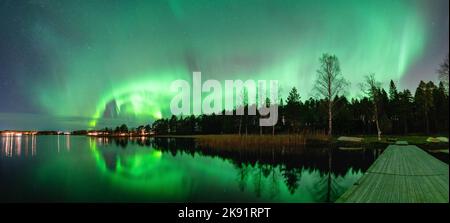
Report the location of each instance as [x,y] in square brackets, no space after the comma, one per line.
[350,148]
[349,139]
[432,139]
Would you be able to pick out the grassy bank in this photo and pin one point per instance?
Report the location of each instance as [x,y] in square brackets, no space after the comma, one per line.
[262,141]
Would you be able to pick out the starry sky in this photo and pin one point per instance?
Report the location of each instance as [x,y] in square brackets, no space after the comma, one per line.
[77,64]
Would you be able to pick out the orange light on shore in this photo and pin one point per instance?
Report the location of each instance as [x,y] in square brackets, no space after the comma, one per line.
[12,133]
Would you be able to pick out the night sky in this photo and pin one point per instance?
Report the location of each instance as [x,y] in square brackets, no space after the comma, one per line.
[80,64]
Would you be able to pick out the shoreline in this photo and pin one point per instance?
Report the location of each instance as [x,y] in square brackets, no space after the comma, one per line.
[267,140]
[368,141]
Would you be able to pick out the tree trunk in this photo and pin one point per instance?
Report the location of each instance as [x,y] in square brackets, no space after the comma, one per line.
[376,122]
[378,130]
[330,119]
[330,103]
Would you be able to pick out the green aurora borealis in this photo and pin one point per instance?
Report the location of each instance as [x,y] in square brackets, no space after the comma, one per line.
[113,61]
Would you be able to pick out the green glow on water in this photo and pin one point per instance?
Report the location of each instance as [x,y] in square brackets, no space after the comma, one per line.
[84,169]
[143,172]
[160,175]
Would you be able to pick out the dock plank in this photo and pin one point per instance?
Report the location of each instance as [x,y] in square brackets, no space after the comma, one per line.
[402,174]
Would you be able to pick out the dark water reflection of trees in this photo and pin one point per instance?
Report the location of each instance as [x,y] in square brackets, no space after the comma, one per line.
[330,163]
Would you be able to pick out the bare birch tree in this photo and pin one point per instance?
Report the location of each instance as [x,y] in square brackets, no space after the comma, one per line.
[371,88]
[329,84]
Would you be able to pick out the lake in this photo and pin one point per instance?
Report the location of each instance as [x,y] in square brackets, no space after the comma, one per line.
[83,169]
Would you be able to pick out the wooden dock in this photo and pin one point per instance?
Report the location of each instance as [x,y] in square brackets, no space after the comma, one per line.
[402,174]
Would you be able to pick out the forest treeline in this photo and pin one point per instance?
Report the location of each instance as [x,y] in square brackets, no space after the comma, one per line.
[379,111]
[400,112]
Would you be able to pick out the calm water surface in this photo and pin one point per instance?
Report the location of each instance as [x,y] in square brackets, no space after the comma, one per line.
[83,169]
